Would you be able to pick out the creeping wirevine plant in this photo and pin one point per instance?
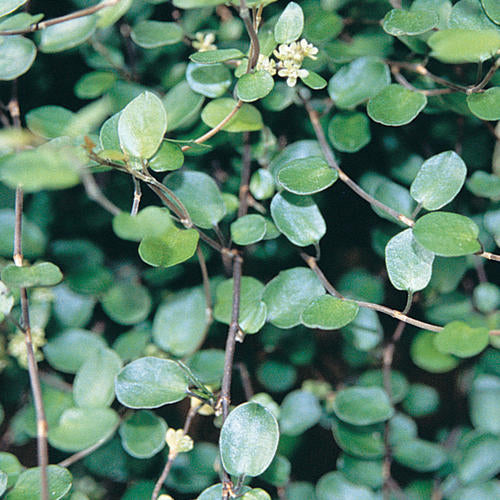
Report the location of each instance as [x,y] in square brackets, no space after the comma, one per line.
[264,115]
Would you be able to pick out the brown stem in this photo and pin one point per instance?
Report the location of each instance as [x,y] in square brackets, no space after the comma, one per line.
[489,256]
[245,176]
[172,456]
[137,197]
[330,158]
[245,380]
[489,75]
[254,39]
[41,421]
[427,92]
[95,194]
[57,20]
[206,284]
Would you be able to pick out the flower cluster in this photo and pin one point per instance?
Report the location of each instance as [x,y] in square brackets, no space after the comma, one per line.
[178,442]
[17,346]
[290,58]
[204,42]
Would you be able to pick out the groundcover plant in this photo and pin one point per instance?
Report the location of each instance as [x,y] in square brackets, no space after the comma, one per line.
[249,249]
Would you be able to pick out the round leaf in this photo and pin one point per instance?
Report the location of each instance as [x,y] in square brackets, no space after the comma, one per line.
[485,105]
[375,378]
[289,293]
[290,24]
[150,382]
[180,322]
[419,455]
[182,105]
[216,56]
[362,405]
[396,105]
[209,80]
[153,34]
[28,486]
[79,428]
[298,218]
[246,119]
[64,36]
[480,459]
[248,440]
[362,442]
[254,86]
[127,303]
[142,125]
[457,45]
[329,313]
[94,84]
[49,121]
[355,83]
[484,403]
[421,400]
[408,263]
[447,234]
[42,274]
[17,54]
[143,434]
[9,6]
[248,229]
[168,157]
[439,180]
[349,132]
[399,22]
[426,356]
[460,339]
[200,196]
[335,486]
[492,9]
[299,411]
[307,175]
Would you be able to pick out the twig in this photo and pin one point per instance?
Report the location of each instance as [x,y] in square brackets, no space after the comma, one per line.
[489,75]
[489,256]
[245,176]
[105,53]
[41,421]
[95,194]
[206,284]
[57,20]
[245,380]
[254,39]
[172,455]
[330,158]
[137,197]
[387,359]
[427,92]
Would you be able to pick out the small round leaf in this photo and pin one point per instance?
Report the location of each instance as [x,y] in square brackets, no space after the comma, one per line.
[329,313]
[248,229]
[349,132]
[460,339]
[485,105]
[254,86]
[153,34]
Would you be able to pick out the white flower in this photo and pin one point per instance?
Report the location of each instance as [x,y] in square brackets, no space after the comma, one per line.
[266,64]
[308,49]
[291,71]
[290,58]
[204,42]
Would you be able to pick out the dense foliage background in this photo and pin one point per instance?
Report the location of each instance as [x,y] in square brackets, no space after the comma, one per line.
[312,187]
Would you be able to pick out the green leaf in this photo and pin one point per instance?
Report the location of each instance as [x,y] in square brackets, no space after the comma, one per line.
[168,157]
[349,132]
[420,455]
[130,345]
[80,428]
[335,486]
[357,82]
[329,313]
[363,442]
[68,351]
[28,486]
[314,81]
[307,175]
[426,356]
[362,405]
[180,323]
[460,339]
[150,221]
[299,411]
[289,293]
[262,184]
[396,105]
[10,465]
[214,492]
[480,459]
[254,86]
[154,34]
[33,239]
[439,180]
[252,314]
[93,386]
[408,263]
[143,434]
[127,303]
[208,80]
[3,482]
[447,234]
[17,54]
[108,16]
[375,378]
[485,105]
[48,167]
[208,366]
[42,274]
[9,6]
[142,125]
[469,14]
[484,403]
[399,22]
[94,84]
[492,10]
[67,35]
[248,440]
[458,45]
[290,24]
[421,400]
[248,229]
[150,383]
[246,119]
[200,196]
[276,376]
[298,218]
[182,105]
[216,56]
[363,472]
[485,185]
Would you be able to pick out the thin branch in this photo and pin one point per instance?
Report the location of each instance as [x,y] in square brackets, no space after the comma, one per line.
[489,256]
[216,129]
[137,197]
[172,456]
[489,75]
[254,39]
[427,92]
[95,194]
[206,284]
[103,51]
[245,380]
[330,158]
[245,176]
[57,20]
[41,421]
